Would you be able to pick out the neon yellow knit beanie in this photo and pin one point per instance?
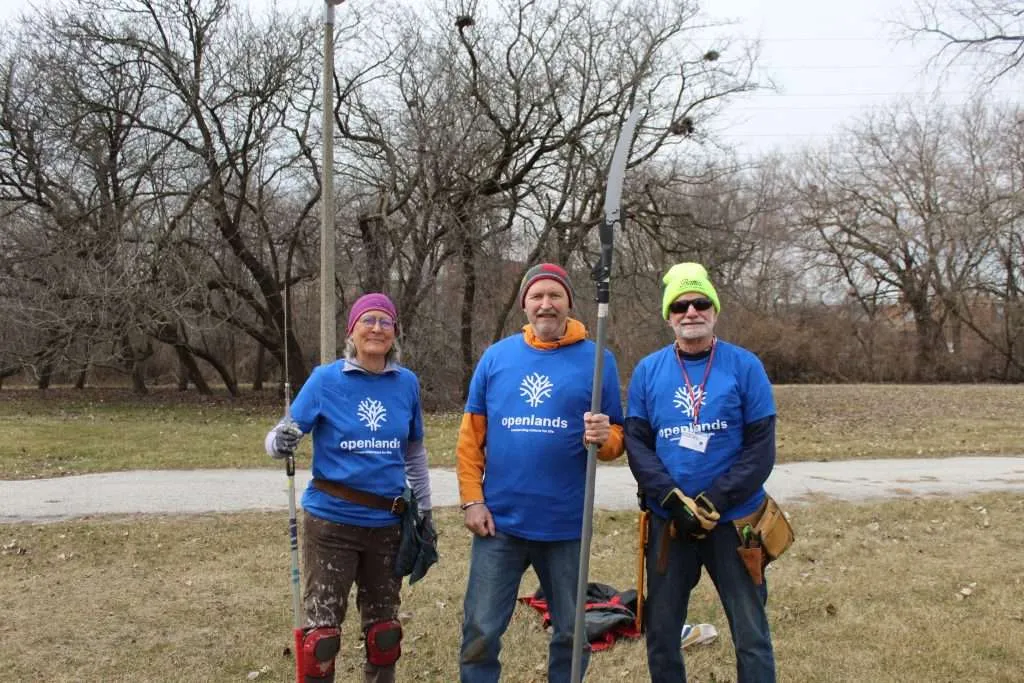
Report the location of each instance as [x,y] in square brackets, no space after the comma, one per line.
[687,277]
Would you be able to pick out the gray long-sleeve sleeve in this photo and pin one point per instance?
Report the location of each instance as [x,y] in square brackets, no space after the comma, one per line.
[417,473]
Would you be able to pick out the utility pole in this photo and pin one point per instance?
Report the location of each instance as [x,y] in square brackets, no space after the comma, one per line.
[328,305]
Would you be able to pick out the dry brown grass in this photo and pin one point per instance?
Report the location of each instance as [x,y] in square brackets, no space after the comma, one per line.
[69,432]
[868,593]
[841,422]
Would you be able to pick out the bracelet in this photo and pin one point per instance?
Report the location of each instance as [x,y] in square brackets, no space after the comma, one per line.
[466,506]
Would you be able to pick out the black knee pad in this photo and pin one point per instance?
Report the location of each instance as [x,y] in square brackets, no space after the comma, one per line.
[319,648]
[384,643]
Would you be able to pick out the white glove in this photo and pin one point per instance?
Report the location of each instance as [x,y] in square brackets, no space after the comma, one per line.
[283,439]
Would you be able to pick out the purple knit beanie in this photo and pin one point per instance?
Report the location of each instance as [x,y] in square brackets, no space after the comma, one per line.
[545,271]
[374,301]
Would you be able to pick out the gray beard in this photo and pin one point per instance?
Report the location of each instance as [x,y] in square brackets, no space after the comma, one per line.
[550,325]
[691,333]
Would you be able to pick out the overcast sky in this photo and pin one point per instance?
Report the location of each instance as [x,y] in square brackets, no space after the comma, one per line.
[829,61]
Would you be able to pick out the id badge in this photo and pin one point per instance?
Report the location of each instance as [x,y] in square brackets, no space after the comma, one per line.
[695,441]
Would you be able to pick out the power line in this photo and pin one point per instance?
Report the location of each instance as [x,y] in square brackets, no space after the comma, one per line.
[841,67]
[847,39]
[852,93]
[851,107]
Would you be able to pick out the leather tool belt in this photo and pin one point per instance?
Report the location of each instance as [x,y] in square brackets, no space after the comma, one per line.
[395,506]
[771,528]
[764,536]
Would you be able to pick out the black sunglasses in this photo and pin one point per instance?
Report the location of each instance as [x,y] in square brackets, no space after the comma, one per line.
[683,305]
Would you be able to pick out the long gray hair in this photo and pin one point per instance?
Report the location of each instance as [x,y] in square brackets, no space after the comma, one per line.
[394,354]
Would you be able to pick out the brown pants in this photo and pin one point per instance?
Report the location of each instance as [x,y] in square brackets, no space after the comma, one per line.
[333,556]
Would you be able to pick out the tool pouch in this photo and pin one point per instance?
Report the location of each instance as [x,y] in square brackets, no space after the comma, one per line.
[772,530]
[753,560]
[775,530]
[770,526]
[417,551]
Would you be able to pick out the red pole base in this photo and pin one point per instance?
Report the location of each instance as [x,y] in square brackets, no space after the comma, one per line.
[300,675]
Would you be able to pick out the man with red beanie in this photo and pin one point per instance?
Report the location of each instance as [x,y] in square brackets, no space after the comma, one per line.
[367,424]
[521,461]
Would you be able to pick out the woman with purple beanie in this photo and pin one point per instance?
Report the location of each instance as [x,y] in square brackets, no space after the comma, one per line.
[367,424]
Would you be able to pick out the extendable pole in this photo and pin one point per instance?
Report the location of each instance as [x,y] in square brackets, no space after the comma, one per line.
[602,277]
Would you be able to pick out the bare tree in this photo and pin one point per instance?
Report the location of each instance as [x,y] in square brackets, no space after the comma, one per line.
[214,194]
[482,135]
[991,31]
[909,207]
[472,142]
[76,177]
[991,304]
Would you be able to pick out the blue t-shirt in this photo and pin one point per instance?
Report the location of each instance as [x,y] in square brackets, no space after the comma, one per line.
[361,424]
[535,460]
[737,392]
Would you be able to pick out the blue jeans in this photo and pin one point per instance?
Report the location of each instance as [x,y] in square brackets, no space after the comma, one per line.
[668,596]
[496,567]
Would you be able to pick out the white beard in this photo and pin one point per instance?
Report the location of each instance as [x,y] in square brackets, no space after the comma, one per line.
[691,331]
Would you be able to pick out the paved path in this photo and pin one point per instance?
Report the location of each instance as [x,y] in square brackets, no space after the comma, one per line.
[196,491]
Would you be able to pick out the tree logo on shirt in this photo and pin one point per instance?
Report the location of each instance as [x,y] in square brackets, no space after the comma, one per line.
[535,388]
[686,403]
[372,413]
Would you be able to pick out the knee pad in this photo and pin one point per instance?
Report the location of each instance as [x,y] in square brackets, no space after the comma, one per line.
[319,647]
[384,643]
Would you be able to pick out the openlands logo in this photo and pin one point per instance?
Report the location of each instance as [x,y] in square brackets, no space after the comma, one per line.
[535,388]
[372,413]
[687,403]
[370,445]
[682,400]
[676,431]
[533,421]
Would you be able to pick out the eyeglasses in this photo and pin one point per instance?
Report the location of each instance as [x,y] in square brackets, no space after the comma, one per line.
[683,305]
[371,321]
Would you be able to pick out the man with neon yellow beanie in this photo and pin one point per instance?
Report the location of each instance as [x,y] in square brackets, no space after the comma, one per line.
[700,438]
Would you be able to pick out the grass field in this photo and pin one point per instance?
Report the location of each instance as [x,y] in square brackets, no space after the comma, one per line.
[910,590]
[70,432]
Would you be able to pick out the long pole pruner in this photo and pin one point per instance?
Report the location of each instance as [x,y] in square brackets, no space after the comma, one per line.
[293,527]
[601,275]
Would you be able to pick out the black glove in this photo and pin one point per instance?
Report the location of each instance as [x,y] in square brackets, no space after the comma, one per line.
[707,513]
[692,519]
[286,439]
[427,526]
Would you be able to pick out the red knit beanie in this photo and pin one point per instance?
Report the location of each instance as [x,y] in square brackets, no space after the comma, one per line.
[545,271]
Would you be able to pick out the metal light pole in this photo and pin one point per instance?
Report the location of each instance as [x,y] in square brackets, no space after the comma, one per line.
[328,336]
[328,339]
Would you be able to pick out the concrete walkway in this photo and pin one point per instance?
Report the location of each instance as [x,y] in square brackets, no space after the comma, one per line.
[198,491]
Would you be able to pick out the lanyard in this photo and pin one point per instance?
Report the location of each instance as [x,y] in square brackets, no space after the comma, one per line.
[696,393]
